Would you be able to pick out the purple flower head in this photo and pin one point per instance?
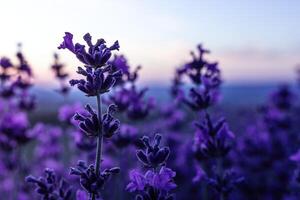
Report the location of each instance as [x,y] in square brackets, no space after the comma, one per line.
[133,102]
[211,139]
[283,98]
[206,79]
[5,63]
[97,55]
[23,66]
[110,125]
[90,124]
[7,91]
[90,181]
[133,76]
[153,155]
[224,184]
[120,63]
[22,84]
[15,126]
[50,188]
[97,81]
[161,182]
[199,99]
[27,102]
[61,75]
[138,181]
[68,42]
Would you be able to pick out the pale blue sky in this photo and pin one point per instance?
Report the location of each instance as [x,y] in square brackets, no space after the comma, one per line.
[253,40]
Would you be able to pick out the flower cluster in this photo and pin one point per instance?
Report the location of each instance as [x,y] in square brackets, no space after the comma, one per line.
[126,95]
[205,78]
[157,182]
[212,140]
[50,188]
[91,181]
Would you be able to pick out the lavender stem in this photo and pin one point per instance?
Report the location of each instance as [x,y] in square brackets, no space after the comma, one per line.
[99,139]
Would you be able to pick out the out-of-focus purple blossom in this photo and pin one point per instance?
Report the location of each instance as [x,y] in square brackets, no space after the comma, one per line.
[15,127]
[163,180]
[22,84]
[50,188]
[283,98]
[27,102]
[48,152]
[119,62]
[127,135]
[90,181]
[84,143]
[133,102]
[212,140]
[153,155]
[66,112]
[23,66]
[225,183]
[81,195]
[5,63]
[205,78]
[200,174]
[61,75]
[200,99]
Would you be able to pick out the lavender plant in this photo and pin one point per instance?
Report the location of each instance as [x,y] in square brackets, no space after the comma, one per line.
[213,140]
[99,78]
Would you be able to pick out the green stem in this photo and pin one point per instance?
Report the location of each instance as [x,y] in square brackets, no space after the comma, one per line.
[99,140]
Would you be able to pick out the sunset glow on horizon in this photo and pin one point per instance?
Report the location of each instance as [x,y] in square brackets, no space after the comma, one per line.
[254,42]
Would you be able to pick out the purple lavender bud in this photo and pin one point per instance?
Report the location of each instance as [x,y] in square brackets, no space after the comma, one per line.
[5,63]
[67,43]
[212,140]
[97,55]
[153,156]
[110,125]
[224,184]
[89,124]
[90,181]
[98,81]
[49,187]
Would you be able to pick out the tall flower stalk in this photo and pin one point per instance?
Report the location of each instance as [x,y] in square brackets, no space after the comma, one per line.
[99,78]
[212,140]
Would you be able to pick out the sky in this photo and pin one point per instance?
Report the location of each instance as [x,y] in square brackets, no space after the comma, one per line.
[254,41]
